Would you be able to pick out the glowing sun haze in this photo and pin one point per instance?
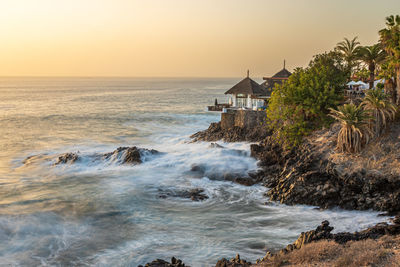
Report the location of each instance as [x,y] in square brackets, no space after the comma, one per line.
[206,38]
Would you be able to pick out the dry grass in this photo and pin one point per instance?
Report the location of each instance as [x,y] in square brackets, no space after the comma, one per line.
[382,252]
[381,155]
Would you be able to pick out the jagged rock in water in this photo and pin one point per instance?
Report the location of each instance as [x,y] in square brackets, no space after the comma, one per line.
[196,194]
[234,262]
[130,155]
[215,145]
[162,263]
[67,158]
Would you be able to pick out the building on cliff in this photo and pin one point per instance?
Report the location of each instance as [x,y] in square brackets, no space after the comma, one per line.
[248,94]
[279,77]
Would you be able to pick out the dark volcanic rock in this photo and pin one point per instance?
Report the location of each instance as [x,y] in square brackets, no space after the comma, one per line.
[67,158]
[235,134]
[162,263]
[303,176]
[234,262]
[130,155]
[196,194]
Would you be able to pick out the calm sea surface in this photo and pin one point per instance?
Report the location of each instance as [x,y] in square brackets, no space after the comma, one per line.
[103,214]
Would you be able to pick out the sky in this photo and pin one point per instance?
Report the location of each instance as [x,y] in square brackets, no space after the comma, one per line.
[178,38]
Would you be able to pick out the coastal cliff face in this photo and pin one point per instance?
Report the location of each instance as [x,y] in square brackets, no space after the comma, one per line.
[315,174]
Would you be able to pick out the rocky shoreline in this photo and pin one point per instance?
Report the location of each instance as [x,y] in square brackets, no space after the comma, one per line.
[322,232]
[314,174]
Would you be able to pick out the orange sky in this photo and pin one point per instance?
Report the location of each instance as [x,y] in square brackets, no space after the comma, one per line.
[195,38]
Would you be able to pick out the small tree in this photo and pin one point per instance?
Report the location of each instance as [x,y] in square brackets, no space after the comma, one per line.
[355,132]
[301,104]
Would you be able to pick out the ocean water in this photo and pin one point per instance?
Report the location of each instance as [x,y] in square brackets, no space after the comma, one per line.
[102,213]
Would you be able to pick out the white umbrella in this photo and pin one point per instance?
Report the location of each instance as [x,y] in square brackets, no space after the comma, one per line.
[361,84]
[351,83]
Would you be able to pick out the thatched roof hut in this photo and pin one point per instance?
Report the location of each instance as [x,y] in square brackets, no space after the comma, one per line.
[247,87]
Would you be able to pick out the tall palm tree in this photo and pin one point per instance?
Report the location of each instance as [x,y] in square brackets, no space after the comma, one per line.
[355,131]
[349,50]
[380,108]
[387,72]
[372,56]
[390,40]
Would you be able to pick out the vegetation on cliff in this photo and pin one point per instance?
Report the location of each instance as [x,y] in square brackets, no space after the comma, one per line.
[303,103]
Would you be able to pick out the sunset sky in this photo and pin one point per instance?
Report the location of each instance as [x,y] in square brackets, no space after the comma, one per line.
[179,38]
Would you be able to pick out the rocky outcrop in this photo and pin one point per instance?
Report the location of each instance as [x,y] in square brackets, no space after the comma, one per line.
[234,262]
[249,179]
[130,155]
[67,158]
[307,175]
[323,232]
[196,194]
[235,134]
[162,263]
[123,155]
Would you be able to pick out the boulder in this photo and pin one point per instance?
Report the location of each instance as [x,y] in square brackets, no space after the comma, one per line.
[196,194]
[67,158]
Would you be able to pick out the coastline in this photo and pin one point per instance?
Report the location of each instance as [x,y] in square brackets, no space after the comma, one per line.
[313,174]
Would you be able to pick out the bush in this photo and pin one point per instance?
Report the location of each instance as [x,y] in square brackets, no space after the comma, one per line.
[301,104]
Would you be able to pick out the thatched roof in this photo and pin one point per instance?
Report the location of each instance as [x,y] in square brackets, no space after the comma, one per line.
[247,87]
[284,73]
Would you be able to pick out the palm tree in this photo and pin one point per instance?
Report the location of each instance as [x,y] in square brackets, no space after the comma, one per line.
[380,108]
[372,56]
[349,50]
[355,131]
[390,40]
[387,72]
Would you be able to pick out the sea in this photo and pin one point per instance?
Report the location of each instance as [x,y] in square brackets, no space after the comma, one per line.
[104,213]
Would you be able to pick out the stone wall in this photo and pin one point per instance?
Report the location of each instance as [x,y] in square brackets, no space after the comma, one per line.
[242,118]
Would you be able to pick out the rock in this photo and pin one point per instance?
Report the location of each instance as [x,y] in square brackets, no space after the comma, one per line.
[196,194]
[130,155]
[215,145]
[235,134]
[162,263]
[323,232]
[234,262]
[67,158]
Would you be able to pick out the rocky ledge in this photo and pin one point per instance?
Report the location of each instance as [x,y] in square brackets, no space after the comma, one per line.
[314,174]
[235,134]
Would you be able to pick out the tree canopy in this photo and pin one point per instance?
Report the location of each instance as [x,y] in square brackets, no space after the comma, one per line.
[301,104]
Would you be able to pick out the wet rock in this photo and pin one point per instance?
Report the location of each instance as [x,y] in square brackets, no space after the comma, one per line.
[130,155]
[162,263]
[215,145]
[67,158]
[247,181]
[196,194]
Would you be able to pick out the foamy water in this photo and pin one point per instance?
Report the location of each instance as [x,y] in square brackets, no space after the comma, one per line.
[99,212]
